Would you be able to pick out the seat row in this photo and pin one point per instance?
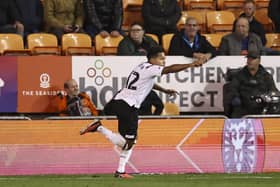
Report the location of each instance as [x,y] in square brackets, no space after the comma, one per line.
[209,22]
[47,44]
[273,40]
[81,44]
[200,4]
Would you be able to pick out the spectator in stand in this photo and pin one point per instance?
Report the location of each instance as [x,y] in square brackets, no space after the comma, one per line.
[188,42]
[30,15]
[136,43]
[241,41]
[249,9]
[249,82]
[160,16]
[74,103]
[273,13]
[103,17]
[255,26]
[63,16]
[151,100]
[9,18]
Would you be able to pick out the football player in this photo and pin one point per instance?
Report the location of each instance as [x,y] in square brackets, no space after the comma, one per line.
[126,102]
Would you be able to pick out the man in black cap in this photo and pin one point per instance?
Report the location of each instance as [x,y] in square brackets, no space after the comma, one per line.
[251,81]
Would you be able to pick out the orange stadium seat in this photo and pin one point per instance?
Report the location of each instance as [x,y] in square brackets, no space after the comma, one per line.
[214,39]
[170,109]
[200,4]
[235,6]
[273,40]
[231,3]
[219,21]
[108,45]
[77,44]
[130,17]
[166,39]
[132,4]
[262,4]
[226,4]
[12,44]
[261,16]
[153,36]
[43,44]
[135,5]
[198,15]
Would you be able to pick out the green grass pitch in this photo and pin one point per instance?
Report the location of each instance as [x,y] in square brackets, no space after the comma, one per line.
[190,180]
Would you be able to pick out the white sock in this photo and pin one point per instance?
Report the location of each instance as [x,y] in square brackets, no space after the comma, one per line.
[115,138]
[124,157]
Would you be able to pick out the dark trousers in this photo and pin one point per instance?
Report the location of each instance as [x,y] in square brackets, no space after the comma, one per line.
[127,117]
[277,27]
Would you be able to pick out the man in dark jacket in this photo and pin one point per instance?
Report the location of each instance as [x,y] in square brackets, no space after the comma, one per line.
[190,43]
[273,13]
[160,16]
[251,81]
[30,15]
[9,18]
[249,8]
[103,17]
[136,43]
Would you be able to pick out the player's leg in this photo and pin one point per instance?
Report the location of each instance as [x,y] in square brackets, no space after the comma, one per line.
[128,124]
[96,126]
[124,158]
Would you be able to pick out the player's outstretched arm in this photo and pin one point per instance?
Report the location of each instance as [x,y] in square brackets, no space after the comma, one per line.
[167,91]
[179,67]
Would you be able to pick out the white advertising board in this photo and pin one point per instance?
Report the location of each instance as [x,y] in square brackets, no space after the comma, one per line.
[200,89]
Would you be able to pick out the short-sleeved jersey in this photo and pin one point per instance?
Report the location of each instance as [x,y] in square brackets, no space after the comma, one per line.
[139,84]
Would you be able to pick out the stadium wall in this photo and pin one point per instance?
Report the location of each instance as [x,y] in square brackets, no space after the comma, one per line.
[28,84]
[164,146]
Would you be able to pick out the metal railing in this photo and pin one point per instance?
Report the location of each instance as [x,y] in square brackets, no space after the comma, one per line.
[262,116]
[140,117]
[14,118]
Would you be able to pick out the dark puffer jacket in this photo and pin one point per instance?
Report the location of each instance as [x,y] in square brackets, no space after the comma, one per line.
[30,13]
[104,14]
[128,48]
[179,47]
[243,87]
[8,12]
[159,18]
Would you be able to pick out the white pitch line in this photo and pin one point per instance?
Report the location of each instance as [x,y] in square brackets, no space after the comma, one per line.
[248,177]
[178,147]
[233,177]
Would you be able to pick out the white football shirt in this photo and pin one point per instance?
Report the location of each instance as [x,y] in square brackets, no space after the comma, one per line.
[139,84]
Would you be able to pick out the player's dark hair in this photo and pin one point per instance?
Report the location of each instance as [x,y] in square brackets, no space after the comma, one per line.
[154,51]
